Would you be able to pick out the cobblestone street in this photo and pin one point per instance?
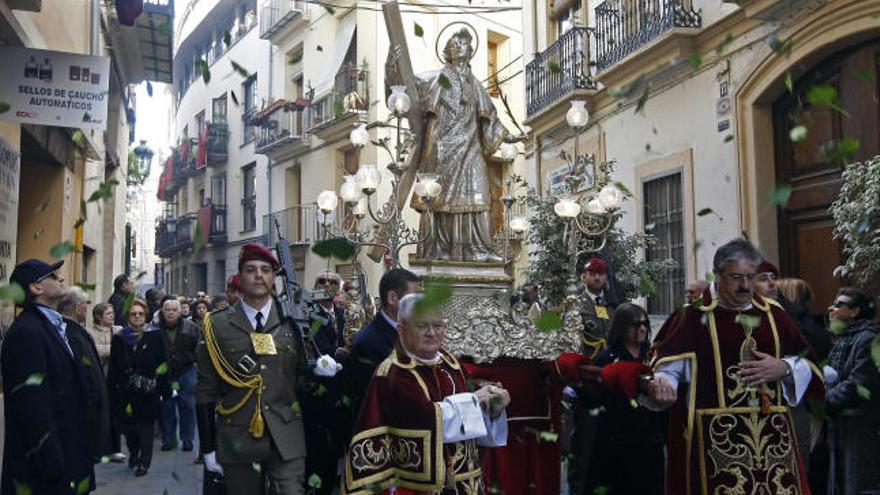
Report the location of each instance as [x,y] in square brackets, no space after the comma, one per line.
[171,473]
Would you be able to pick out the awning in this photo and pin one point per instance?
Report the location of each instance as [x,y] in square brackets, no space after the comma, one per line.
[340,47]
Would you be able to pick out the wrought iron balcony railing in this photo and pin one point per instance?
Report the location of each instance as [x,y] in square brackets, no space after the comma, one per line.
[218,143]
[174,235]
[350,95]
[299,224]
[560,69]
[280,124]
[275,14]
[625,26]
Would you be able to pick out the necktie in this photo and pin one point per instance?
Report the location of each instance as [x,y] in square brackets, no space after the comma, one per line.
[599,300]
[259,318]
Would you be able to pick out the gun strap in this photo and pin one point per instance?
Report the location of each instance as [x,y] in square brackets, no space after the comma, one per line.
[237,379]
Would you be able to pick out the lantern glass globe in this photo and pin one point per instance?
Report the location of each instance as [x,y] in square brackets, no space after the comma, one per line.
[350,190]
[577,116]
[567,208]
[359,136]
[519,224]
[398,101]
[369,178]
[327,200]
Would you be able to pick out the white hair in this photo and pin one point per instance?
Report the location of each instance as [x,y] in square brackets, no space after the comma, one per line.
[329,272]
[407,306]
[173,301]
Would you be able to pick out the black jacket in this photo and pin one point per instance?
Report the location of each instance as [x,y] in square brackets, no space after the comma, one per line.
[181,353]
[117,300]
[328,337]
[810,326]
[46,444]
[145,357]
[97,399]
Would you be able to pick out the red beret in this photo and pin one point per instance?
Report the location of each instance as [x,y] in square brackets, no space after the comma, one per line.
[767,267]
[250,252]
[596,265]
[234,282]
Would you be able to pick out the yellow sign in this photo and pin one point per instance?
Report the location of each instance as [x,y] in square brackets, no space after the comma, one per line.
[602,312]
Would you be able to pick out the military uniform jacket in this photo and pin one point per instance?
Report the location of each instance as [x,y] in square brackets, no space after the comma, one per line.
[277,401]
[596,329]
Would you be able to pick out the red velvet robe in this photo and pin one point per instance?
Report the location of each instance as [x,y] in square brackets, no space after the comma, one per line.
[720,440]
[529,464]
[398,438]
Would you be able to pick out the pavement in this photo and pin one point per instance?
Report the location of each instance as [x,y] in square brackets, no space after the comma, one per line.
[171,473]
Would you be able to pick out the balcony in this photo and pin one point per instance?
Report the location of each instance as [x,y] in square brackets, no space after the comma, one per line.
[212,224]
[174,235]
[350,97]
[563,68]
[145,39]
[623,27]
[281,128]
[218,144]
[276,15]
[299,225]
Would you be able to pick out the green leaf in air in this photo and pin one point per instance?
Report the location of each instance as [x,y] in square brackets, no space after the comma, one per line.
[22,488]
[227,38]
[162,368]
[83,485]
[728,138]
[444,81]
[202,69]
[625,190]
[875,351]
[780,195]
[238,68]
[825,96]
[436,294]
[418,30]
[548,436]
[12,292]
[164,29]
[839,152]
[705,211]
[549,320]
[554,68]
[149,88]
[646,285]
[338,109]
[129,411]
[640,104]
[789,83]
[696,61]
[61,250]
[78,138]
[330,10]
[864,75]
[4,107]
[748,321]
[86,287]
[337,247]
[798,133]
[314,481]
[781,48]
[728,39]
[863,392]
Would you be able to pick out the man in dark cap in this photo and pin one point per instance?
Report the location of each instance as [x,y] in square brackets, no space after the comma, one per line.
[46,447]
[596,311]
[765,281]
[250,364]
[233,289]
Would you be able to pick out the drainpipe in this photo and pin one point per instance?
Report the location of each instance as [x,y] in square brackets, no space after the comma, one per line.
[96,26]
[269,160]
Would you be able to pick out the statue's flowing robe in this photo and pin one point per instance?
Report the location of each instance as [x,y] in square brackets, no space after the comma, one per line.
[462,129]
[721,440]
[399,434]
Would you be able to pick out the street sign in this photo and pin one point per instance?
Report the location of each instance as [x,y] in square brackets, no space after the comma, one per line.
[54,88]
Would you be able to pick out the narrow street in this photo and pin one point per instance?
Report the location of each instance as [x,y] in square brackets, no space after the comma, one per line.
[172,473]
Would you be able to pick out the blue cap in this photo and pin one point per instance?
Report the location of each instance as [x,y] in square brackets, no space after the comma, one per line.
[32,271]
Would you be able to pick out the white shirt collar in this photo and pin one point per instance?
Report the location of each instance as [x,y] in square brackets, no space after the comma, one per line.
[434,360]
[251,313]
[390,321]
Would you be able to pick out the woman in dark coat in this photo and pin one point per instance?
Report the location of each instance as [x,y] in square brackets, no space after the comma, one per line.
[628,450]
[852,396]
[137,378]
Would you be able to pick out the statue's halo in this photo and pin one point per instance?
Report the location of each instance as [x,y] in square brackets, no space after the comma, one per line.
[440,37]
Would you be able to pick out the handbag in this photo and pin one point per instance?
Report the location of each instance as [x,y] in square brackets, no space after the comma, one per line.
[141,385]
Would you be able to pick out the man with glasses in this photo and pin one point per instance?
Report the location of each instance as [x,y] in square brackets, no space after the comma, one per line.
[48,447]
[731,366]
[419,407]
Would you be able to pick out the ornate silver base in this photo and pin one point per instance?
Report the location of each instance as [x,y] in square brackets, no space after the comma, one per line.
[482,325]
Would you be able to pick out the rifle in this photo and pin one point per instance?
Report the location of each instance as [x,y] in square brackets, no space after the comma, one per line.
[295,303]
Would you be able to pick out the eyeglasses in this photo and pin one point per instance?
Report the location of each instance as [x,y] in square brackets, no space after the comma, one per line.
[325,281]
[136,313]
[739,277]
[437,326]
[52,275]
[639,324]
[837,304]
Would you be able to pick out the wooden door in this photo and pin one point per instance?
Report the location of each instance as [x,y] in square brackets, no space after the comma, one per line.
[807,248]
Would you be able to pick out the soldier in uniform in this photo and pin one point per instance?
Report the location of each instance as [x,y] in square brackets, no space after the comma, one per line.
[250,363]
[596,311]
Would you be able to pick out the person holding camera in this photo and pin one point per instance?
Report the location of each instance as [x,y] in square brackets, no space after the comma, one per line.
[138,382]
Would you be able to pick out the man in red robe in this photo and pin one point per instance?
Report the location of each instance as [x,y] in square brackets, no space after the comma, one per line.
[419,424]
[738,363]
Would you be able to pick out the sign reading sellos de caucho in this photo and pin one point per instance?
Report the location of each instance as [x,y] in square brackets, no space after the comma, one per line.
[54,88]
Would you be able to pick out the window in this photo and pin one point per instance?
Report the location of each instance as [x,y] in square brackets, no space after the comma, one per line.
[568,15]
[298,92]
[492,69]
[250,101]
[249,198]
[200,123]
[201,197]
[218,110]
[218,190]
[664,209]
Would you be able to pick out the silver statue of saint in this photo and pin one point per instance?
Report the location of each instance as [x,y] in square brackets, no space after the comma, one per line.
[461,129]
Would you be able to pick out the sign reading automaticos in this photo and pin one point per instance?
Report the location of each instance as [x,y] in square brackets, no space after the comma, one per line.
[54,88]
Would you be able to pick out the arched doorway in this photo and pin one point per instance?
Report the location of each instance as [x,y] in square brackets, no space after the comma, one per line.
[812,167]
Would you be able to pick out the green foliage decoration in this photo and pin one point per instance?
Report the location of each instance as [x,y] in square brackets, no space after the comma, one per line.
[856,214]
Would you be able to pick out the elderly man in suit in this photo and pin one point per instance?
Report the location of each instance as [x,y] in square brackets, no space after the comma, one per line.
[47,449]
